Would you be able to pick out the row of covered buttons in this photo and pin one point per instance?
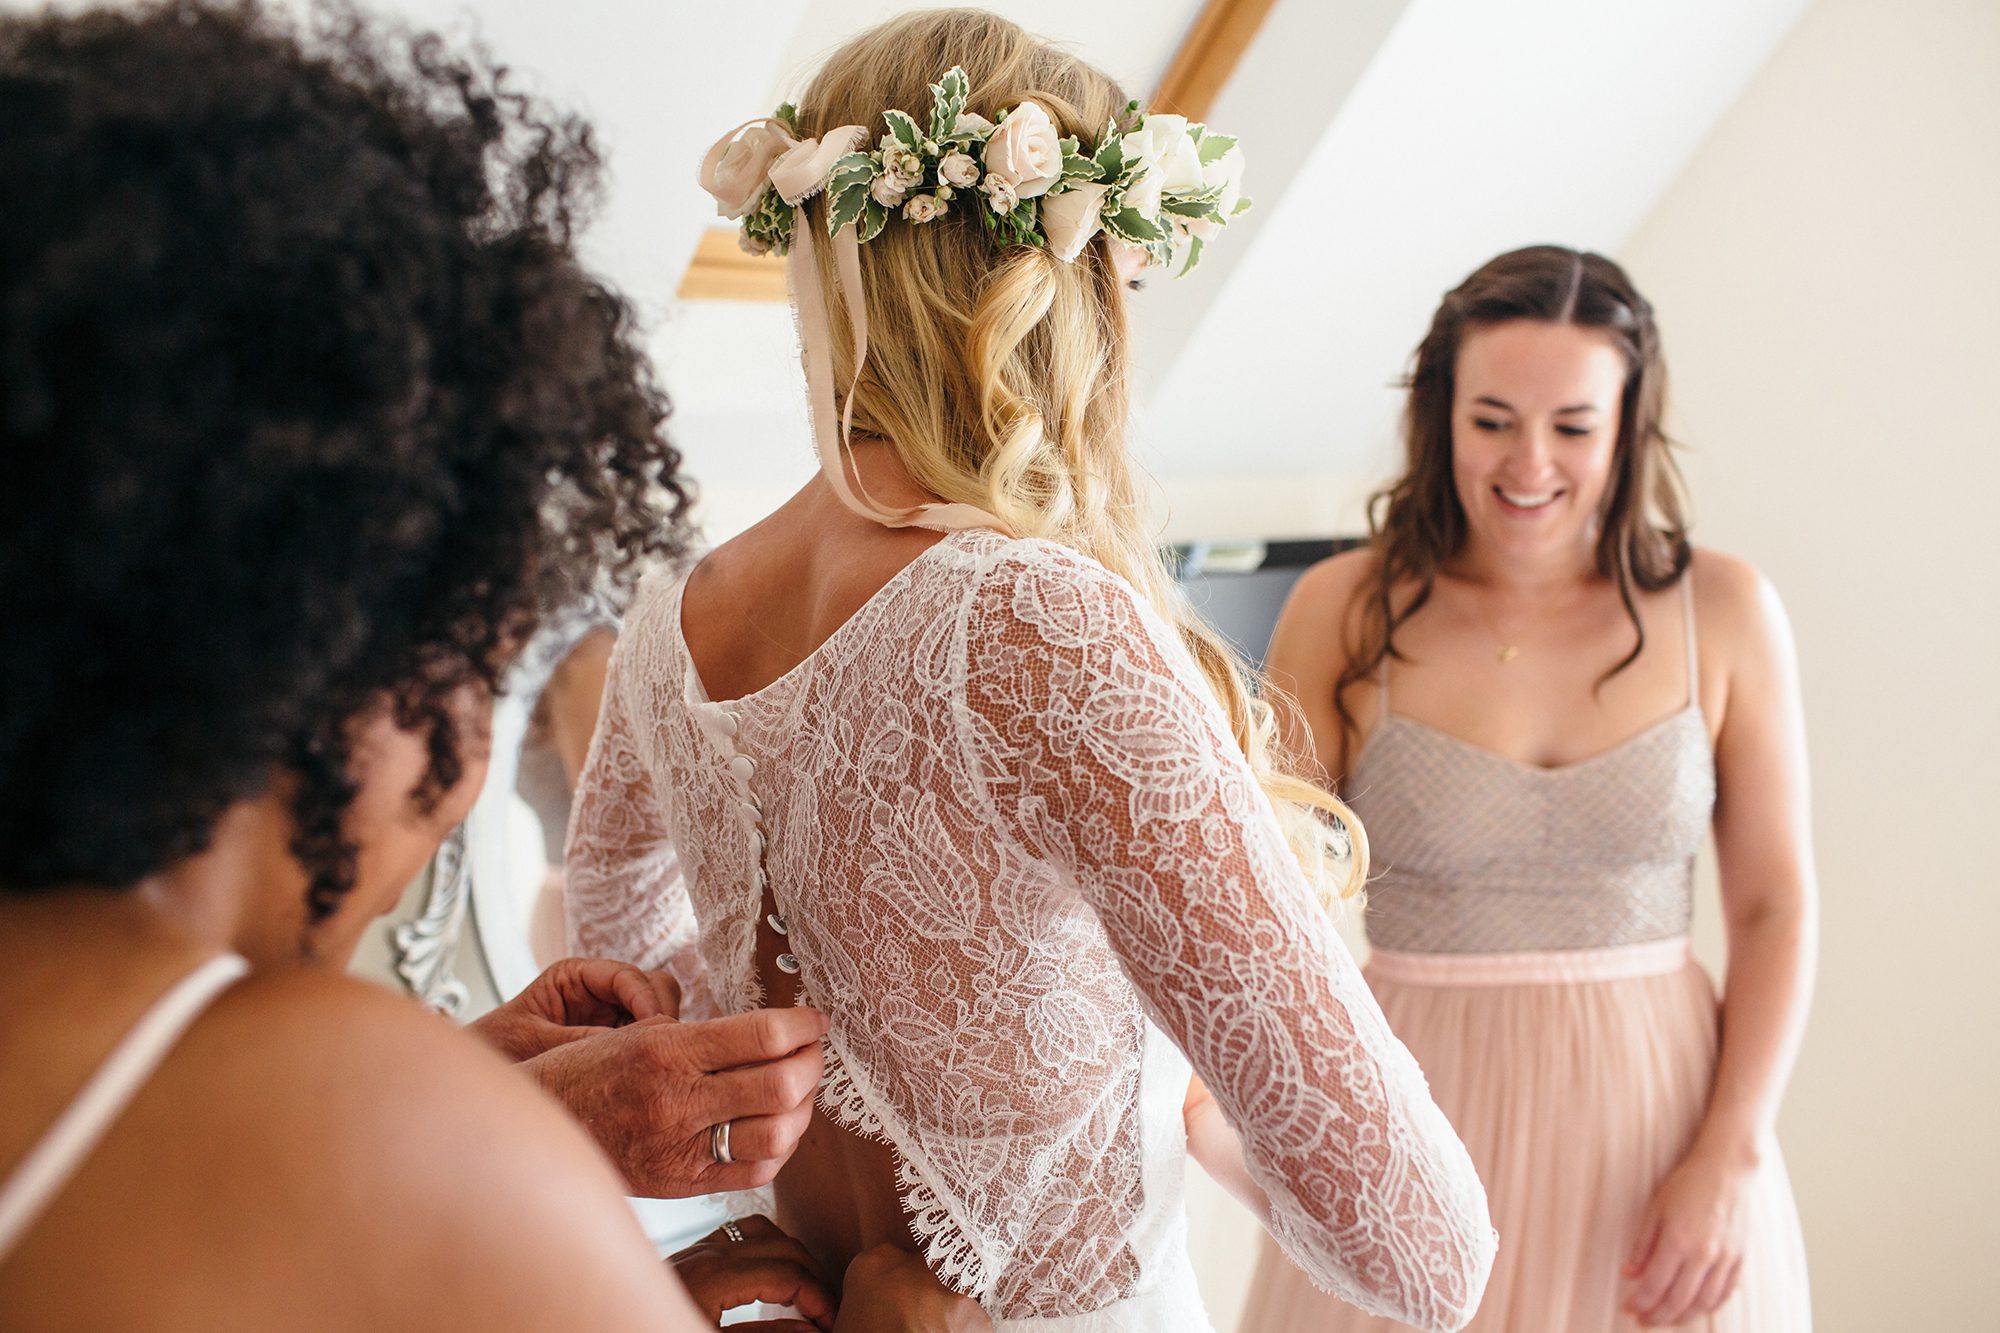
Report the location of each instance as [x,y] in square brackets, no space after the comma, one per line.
[720,728]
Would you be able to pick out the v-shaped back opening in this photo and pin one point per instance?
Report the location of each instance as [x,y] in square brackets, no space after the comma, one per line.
[864,612]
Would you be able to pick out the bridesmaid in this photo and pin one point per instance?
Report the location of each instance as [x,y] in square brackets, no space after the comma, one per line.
[1540,698]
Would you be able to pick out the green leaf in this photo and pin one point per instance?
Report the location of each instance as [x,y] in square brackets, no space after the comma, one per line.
[1213,146]
[1110,158]
[948,101]
[842,181]
[1076,168]
[1131,225]
[1194,256]
[1200,207]
[1242,207]
[873,219]
[847,207]
[789,114]
[905,130]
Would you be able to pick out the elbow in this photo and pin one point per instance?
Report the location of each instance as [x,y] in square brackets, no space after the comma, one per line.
[1465,1284]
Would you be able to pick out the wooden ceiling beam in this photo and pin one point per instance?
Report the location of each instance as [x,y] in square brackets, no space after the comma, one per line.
[1210,54]
[1214,46]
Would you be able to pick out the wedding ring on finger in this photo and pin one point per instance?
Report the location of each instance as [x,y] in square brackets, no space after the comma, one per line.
[734,1232]
[718,1143]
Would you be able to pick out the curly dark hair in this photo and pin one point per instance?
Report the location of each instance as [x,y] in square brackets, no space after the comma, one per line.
[306,407]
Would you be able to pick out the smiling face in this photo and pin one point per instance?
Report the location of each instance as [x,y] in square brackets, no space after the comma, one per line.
[1534,429]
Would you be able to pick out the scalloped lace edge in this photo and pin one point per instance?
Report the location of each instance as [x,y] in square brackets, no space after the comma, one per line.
[948,1250]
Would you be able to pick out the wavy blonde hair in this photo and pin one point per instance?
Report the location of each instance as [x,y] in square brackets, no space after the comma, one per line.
[999,373]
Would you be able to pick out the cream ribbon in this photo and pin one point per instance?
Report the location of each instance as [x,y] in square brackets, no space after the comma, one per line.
[797,175]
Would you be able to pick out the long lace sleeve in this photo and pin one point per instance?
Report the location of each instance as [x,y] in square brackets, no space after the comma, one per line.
[624,895]
[1104,754]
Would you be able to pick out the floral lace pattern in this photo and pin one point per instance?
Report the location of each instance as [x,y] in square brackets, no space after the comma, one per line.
[1014,844]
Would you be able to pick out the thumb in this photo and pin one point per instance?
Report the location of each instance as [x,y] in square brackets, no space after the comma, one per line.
[1642,1249]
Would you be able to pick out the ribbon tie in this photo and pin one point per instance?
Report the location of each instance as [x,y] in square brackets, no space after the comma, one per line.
[797,174]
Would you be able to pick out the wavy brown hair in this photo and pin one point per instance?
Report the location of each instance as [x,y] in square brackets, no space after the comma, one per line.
[1417,525]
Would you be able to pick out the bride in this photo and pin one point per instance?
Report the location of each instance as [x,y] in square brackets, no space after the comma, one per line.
[937,748]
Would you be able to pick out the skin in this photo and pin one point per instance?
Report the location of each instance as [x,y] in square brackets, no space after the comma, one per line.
[1535,417]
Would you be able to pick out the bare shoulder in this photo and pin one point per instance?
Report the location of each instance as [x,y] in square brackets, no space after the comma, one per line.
[1743,625]
[1733,598]
[1317,610]
[1333,582]
[334,1117]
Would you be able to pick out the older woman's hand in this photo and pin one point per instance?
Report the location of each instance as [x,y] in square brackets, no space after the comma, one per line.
[573,999]
[651,1093]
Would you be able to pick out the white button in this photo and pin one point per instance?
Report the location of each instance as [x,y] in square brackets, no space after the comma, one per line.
[788,965]
[750,810]
[725,723]
[777,923]
[742,768]
[756,845]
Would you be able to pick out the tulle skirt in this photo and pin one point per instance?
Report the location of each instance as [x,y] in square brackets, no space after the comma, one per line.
[1575,1093]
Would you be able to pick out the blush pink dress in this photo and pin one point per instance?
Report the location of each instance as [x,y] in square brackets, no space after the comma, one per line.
[1530,948]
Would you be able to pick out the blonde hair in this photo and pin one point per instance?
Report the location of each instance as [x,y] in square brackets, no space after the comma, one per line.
[999,374]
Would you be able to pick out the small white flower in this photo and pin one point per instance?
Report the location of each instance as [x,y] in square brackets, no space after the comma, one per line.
[752,245]
[885,193]
[959,169]
[968,123]
[946,193]
[922,208]
[1000,196]
[903,168]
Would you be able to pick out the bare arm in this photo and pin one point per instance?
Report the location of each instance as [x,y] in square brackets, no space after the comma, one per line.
[1308,653]
[1690,1244]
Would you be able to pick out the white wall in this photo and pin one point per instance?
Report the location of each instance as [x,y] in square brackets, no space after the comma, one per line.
[1829,289]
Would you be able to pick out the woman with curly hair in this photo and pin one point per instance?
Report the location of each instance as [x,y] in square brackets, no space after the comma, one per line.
[306,409]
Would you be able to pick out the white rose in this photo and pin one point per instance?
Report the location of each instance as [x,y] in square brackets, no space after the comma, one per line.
[1000,196]
[1162,144]
[922,208]
[1143,195]
[739,178]
[1071,218]
[959,169]
[903,168]
[1026,151]
[885,193]
[968,123]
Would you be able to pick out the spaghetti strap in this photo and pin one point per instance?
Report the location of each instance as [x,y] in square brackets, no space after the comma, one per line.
[52,1161]
[1687,632]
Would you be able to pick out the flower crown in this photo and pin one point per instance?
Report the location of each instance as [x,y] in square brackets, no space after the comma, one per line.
[1161,189]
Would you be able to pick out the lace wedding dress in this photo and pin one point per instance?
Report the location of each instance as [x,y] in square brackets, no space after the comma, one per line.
[1022,866]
